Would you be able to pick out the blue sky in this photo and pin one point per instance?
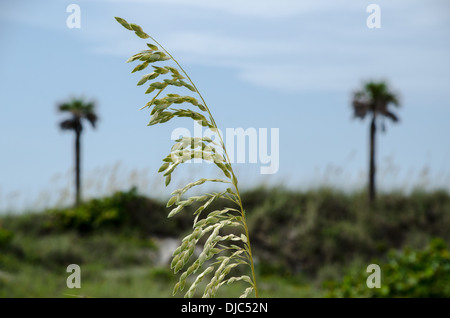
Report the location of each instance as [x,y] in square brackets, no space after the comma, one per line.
[281,64]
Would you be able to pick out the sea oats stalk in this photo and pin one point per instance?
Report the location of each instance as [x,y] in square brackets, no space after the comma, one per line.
[223,252]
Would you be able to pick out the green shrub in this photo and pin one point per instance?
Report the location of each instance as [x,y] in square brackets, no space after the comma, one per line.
[97,213]
[305,231]
[408,273]
[5,237]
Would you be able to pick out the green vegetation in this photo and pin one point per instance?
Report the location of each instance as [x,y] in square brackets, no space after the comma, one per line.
[305,232]
[409,273]
[5,237]
[308,244]
[122,209]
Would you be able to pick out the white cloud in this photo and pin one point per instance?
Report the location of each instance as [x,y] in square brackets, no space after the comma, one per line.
[220,46]
[250,8]
[324,50]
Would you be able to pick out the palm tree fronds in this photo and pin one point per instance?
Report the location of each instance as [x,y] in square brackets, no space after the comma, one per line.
[92,118]
[375,97]
[70,124]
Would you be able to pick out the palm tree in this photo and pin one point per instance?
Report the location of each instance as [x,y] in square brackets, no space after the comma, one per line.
[79,110]
[374,100]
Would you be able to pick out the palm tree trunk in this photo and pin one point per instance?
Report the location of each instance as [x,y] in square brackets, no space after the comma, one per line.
[77,168]
[372,160]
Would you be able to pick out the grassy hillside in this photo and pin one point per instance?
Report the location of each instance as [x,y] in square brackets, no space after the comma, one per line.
[307,244]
